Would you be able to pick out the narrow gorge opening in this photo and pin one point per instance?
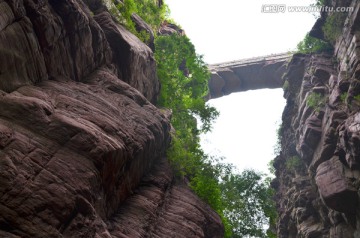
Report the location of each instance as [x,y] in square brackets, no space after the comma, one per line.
[245,132]
[243,31]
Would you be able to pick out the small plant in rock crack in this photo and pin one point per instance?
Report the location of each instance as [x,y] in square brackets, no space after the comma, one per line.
[286,85]
[312,45]
[343,97]
[315,101]
[357,98]
[333,26]
[293,163]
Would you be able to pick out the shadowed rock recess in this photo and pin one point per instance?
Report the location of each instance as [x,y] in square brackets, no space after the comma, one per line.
[82,147]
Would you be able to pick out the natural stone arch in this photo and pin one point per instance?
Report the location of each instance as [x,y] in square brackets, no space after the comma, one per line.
[247,74]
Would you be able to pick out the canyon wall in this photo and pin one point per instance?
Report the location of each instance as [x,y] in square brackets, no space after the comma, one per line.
[317,172]
[82,146]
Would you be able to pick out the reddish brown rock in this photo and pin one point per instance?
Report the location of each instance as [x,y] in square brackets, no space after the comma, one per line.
[133,59]
[309,136]
[350,140]
[80,140]
[80,151]
[161,207]
[16,37]
[315,135]
[335,189]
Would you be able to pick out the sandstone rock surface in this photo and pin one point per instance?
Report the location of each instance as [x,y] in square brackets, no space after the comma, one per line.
[82,147]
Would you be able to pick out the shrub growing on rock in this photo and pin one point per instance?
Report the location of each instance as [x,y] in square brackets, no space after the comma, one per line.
[312,45]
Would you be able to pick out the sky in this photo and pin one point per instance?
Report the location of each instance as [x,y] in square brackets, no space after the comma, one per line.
[245,132]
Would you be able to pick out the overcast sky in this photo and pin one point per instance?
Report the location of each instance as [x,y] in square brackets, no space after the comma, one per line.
[245,132]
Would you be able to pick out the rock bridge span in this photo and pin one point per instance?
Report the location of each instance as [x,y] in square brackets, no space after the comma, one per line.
[247,74]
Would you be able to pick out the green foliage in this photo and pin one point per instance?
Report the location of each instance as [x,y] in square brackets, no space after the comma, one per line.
[315,101]
[293,163]
[243,201]
[144,36]
[148,10]
[184,80]
[286,85]
[271,167]
[357,98]
[333,26]
[206,184]
[277,146]
[320,3]
[343,97]
[248,203]
[312,45]
[184,86]
[126,9]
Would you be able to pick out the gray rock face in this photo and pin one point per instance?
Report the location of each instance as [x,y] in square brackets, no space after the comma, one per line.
[247,74]
[82,147]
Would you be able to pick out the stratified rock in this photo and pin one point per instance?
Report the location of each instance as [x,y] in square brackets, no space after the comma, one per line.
[77,154]
[80,140]
[324,134]
[160,208]
[16,37]
[350,140]
[335,189]
[309,136]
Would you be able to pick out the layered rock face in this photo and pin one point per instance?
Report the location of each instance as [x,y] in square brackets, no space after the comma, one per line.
[318,173]
[82,147]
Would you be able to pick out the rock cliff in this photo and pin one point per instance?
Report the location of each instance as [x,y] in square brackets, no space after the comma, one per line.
[82,146]
[317,172]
